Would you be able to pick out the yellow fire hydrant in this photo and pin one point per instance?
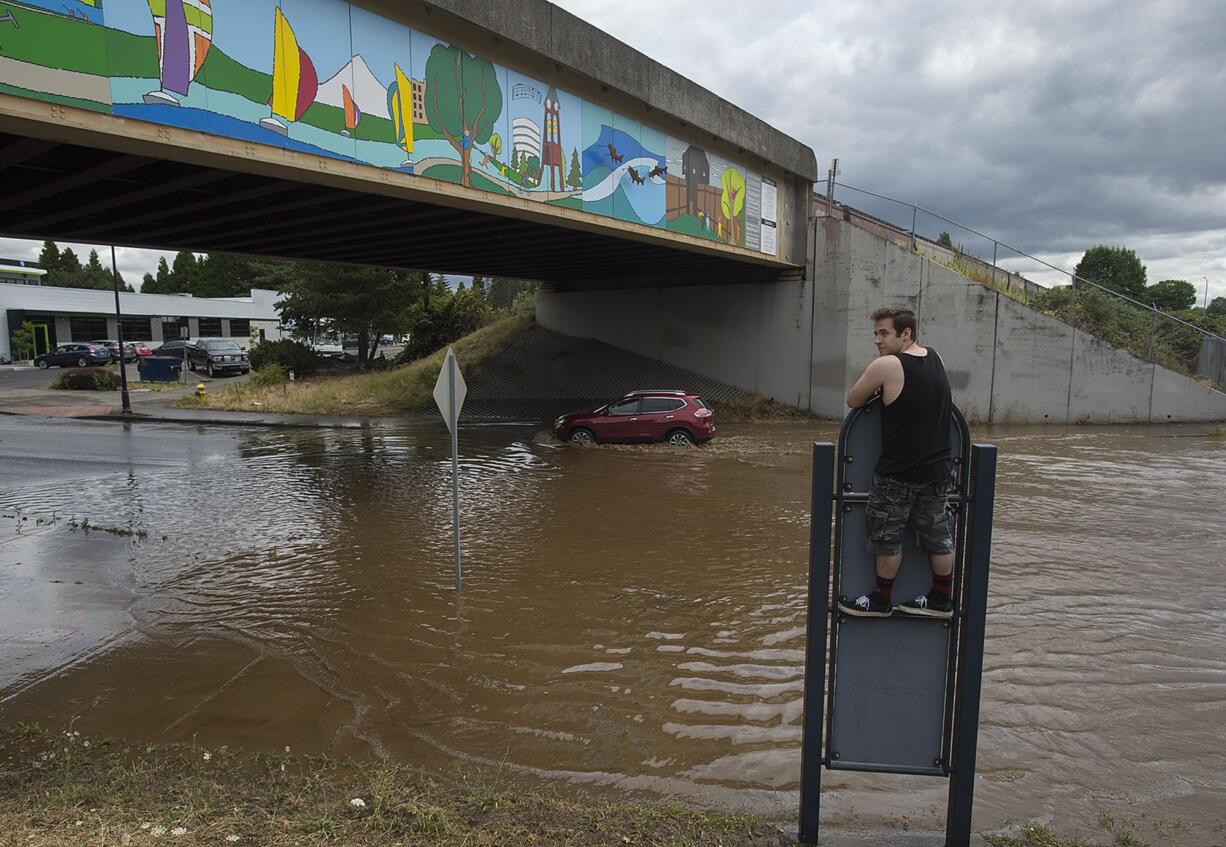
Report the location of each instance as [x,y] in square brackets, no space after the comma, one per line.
[200,391]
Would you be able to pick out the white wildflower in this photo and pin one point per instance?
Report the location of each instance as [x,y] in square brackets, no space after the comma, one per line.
[125,839]
[158,831]
[207,755]
[76,733]
[231,838]
[146,825]
[286,748]
[86,742]
[358,803]
[78,823]
[179,830]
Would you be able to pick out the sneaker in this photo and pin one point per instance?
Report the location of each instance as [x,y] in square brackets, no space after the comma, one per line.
[866,606]
[925,606]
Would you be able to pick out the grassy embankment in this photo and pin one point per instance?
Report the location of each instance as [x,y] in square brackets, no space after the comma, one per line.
[404,390]
[61,788]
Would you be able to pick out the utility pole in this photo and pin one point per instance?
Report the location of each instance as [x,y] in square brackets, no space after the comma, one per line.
[123,370]
[834,170]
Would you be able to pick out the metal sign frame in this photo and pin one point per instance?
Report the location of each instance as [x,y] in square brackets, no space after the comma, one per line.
[976,465]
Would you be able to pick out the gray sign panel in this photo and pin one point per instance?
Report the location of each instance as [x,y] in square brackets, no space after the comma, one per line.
[888,703]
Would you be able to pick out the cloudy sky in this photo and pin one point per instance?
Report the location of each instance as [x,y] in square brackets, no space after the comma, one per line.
[1053,125]
[1050,125]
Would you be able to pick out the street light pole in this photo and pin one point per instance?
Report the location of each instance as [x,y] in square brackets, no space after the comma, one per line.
[123,371]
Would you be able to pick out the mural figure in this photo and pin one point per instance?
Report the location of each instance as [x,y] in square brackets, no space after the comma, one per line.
[183,31]
[463,101]
[400,106]
[294,81]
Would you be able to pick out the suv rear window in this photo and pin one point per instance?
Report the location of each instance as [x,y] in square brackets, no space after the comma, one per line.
[700,404]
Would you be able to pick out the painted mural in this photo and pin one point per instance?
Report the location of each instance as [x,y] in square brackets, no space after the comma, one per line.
[322,77]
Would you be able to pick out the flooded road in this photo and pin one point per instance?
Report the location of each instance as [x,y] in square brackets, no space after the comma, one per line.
[631,616]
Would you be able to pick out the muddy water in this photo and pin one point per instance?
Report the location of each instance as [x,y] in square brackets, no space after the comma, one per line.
[632,617]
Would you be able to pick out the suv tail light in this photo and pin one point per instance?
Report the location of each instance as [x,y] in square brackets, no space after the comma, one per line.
[703,413]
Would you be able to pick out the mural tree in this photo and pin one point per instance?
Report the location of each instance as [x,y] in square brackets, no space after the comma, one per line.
[575,177]
[496,145]
[463,101]
[732,202]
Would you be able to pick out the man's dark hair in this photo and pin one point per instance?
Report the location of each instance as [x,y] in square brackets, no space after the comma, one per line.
[901,319]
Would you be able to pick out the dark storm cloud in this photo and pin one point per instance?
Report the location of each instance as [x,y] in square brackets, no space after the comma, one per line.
[1054,125]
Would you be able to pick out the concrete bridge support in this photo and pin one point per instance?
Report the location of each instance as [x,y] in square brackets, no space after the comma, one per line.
[806,342]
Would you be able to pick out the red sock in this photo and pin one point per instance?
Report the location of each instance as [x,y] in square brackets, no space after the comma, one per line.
[883,588]
[942,585]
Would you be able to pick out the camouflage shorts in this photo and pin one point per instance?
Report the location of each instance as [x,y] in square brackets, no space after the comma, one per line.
[895,503]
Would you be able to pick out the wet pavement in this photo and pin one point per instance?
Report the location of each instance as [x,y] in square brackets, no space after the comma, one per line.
[632,616]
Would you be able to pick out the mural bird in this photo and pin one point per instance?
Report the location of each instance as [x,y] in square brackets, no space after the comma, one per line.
[634,175]
[614,155]
[658,171]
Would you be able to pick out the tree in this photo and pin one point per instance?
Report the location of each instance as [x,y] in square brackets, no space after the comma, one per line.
[1216,307]
[1116,268]
[478,287]
[943,240]
[575,177]
[463,101]
[1171,294]
[732,201]
[147,284]
[368,302]
[49,258]
[225,275]
[22,341]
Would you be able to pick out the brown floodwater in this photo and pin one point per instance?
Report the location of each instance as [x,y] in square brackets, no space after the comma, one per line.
[632,617]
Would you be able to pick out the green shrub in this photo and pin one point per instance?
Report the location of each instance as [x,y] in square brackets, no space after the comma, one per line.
[87,379]
[273,373]
[290,355]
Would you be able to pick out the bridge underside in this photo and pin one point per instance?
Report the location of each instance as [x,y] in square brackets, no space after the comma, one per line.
[87,194]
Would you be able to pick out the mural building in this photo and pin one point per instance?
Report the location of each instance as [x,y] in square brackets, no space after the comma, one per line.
[324,77]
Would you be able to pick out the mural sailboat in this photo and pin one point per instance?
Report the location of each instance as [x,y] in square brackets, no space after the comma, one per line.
[183,31]
[294,81]
[353,115]
[400,107]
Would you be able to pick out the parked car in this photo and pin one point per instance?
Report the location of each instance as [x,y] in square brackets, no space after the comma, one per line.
[112,346]
[677,417]
[141,349]
[217,355]
[327,346]
[78,355]
[174,348]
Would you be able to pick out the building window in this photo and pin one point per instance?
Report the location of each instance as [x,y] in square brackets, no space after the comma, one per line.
[240,328]
[136,329]
[88,329]
[171,329]
[210,327]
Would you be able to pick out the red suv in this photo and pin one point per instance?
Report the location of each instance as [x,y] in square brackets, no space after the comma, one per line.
[677,417]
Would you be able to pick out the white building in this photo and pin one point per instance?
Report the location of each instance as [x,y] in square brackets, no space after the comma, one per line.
[17,272]
[61,315]
[526,137]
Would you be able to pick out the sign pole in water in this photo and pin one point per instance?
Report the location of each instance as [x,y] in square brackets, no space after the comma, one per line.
[449,393]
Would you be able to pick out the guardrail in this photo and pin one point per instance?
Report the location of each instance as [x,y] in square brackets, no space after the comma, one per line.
[1142,329]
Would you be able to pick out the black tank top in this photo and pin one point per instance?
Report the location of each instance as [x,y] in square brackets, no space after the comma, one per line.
[915,427]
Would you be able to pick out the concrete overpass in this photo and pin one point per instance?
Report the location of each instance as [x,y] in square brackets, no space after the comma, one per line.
[446,135]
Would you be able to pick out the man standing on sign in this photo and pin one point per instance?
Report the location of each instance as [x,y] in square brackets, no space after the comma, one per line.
[914,475]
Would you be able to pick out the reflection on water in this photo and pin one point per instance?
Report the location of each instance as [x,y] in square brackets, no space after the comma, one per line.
[632,616]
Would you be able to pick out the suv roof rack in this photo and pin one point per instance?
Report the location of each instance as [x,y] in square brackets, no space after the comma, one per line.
[656,391]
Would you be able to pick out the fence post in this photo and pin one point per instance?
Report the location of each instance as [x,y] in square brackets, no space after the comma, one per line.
[914,216]
[1072,302]
[994,246]
[1153,326]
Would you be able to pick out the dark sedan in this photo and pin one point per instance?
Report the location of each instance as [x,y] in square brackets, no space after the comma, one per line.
[79,355]
[112,347]
[217,356]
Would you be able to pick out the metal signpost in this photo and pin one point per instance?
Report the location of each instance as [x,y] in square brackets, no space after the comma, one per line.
[900,694]
[449,393]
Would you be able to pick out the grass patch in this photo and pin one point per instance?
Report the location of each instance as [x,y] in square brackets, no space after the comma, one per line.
[404,390]
[65,788]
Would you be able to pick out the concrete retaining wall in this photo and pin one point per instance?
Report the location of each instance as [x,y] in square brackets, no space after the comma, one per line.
[806,343]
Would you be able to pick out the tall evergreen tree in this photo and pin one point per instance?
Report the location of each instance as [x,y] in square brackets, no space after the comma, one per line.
[49,257]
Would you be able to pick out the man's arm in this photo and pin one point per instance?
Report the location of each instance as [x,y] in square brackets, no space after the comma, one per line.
[872,381]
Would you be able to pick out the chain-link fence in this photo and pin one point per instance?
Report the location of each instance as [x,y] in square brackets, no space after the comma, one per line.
[1195,348]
